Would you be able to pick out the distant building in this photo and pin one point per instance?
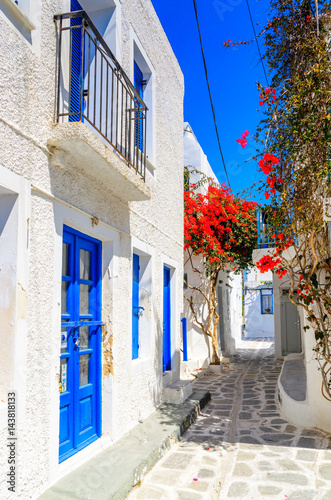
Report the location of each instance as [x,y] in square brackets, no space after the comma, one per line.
[259,304]
[229,290]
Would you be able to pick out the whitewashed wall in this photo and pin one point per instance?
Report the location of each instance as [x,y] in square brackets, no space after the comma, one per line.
[256,323]
[63,192]
[199,346]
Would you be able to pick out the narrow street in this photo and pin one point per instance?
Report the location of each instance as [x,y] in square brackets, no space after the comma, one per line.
[240,447]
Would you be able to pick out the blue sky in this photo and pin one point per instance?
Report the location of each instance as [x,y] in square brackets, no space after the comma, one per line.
[233,73]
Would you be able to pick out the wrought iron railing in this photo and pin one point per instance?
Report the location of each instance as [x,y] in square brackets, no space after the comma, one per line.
[263,237]
[93,88]
[264,231]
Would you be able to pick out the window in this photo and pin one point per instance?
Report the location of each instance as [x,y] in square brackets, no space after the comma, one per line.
[267,306]
[142,76]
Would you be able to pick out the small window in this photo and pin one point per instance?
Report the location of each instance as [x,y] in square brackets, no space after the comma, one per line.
[267,306]
[185,281]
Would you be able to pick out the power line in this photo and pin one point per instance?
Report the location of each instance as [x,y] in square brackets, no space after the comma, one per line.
[210,96]
[257,43]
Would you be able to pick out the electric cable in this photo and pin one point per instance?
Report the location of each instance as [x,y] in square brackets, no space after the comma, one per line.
[209,91]
[257,43]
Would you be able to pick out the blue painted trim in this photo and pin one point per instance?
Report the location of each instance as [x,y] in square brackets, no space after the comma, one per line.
[184,329]
[135,306]
[166,319]
[267,295]
[77,395]
[139,86]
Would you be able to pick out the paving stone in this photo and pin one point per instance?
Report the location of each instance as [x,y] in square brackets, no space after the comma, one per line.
[288,464]
[168,478]
[278,421]
[325,471]
[245,455]
[146,493]
[326,496]
[306,455]
[245,416]
[199,486]
[178,461]
[276,438]
[327,455]
[306,442]
[263,465]
[290,428]
[243,470]
[269,490]
[185,495]
[205,473]
[249,440]
[238,489]
[287,477]
[303,495]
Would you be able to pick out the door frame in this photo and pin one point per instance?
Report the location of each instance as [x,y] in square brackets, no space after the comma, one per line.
[98,348]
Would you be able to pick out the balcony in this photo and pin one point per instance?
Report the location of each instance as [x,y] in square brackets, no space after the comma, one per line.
[100,116]
[263,237]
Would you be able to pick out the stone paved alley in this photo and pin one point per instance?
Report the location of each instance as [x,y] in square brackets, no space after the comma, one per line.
[240,447]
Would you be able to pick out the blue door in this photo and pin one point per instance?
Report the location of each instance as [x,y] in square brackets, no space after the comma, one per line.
[166,320]
[80,359]
[76,71]
[135,306]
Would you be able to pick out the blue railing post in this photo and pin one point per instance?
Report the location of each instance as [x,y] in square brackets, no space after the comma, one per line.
[184,329]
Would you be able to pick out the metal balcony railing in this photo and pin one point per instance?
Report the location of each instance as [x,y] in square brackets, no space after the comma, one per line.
[93,88]
[264,239]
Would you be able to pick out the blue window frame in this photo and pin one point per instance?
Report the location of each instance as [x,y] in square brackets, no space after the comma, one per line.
[80,358]
[139,129]
[166,319]
[267,302]
[135,306]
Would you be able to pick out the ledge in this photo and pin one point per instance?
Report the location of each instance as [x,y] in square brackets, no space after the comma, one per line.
[292,393]
[74,144]
[18,14]
[123,465]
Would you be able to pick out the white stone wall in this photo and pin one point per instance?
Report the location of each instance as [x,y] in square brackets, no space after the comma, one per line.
[229,286]
[53,190]
[256,323]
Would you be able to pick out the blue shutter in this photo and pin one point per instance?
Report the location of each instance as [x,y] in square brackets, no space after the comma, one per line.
[76,64]
[135,306]
[139,86]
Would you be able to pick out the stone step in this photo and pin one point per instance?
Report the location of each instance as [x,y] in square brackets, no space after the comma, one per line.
[177,392]
[112,474]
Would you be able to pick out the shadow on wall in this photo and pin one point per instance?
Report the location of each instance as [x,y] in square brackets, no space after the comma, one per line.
[256,323]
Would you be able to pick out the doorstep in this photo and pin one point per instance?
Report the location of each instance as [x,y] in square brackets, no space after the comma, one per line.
[115,471]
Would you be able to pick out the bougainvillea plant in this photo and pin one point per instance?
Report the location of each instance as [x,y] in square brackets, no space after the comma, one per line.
[295,135]
[221,228]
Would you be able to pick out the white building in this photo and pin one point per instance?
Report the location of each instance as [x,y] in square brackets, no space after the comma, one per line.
[299,384]
[91,230]
[229,289]
[259,304]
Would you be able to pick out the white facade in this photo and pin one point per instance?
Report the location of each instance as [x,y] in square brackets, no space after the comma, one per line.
[229,285]
[295,344]
[56,175]
[259,304]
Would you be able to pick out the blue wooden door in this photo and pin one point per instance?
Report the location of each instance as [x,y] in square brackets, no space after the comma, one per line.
[166,320]
[135,306]
[80,359]
[76,70]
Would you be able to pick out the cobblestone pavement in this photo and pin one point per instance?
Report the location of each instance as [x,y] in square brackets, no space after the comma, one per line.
[240,447]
